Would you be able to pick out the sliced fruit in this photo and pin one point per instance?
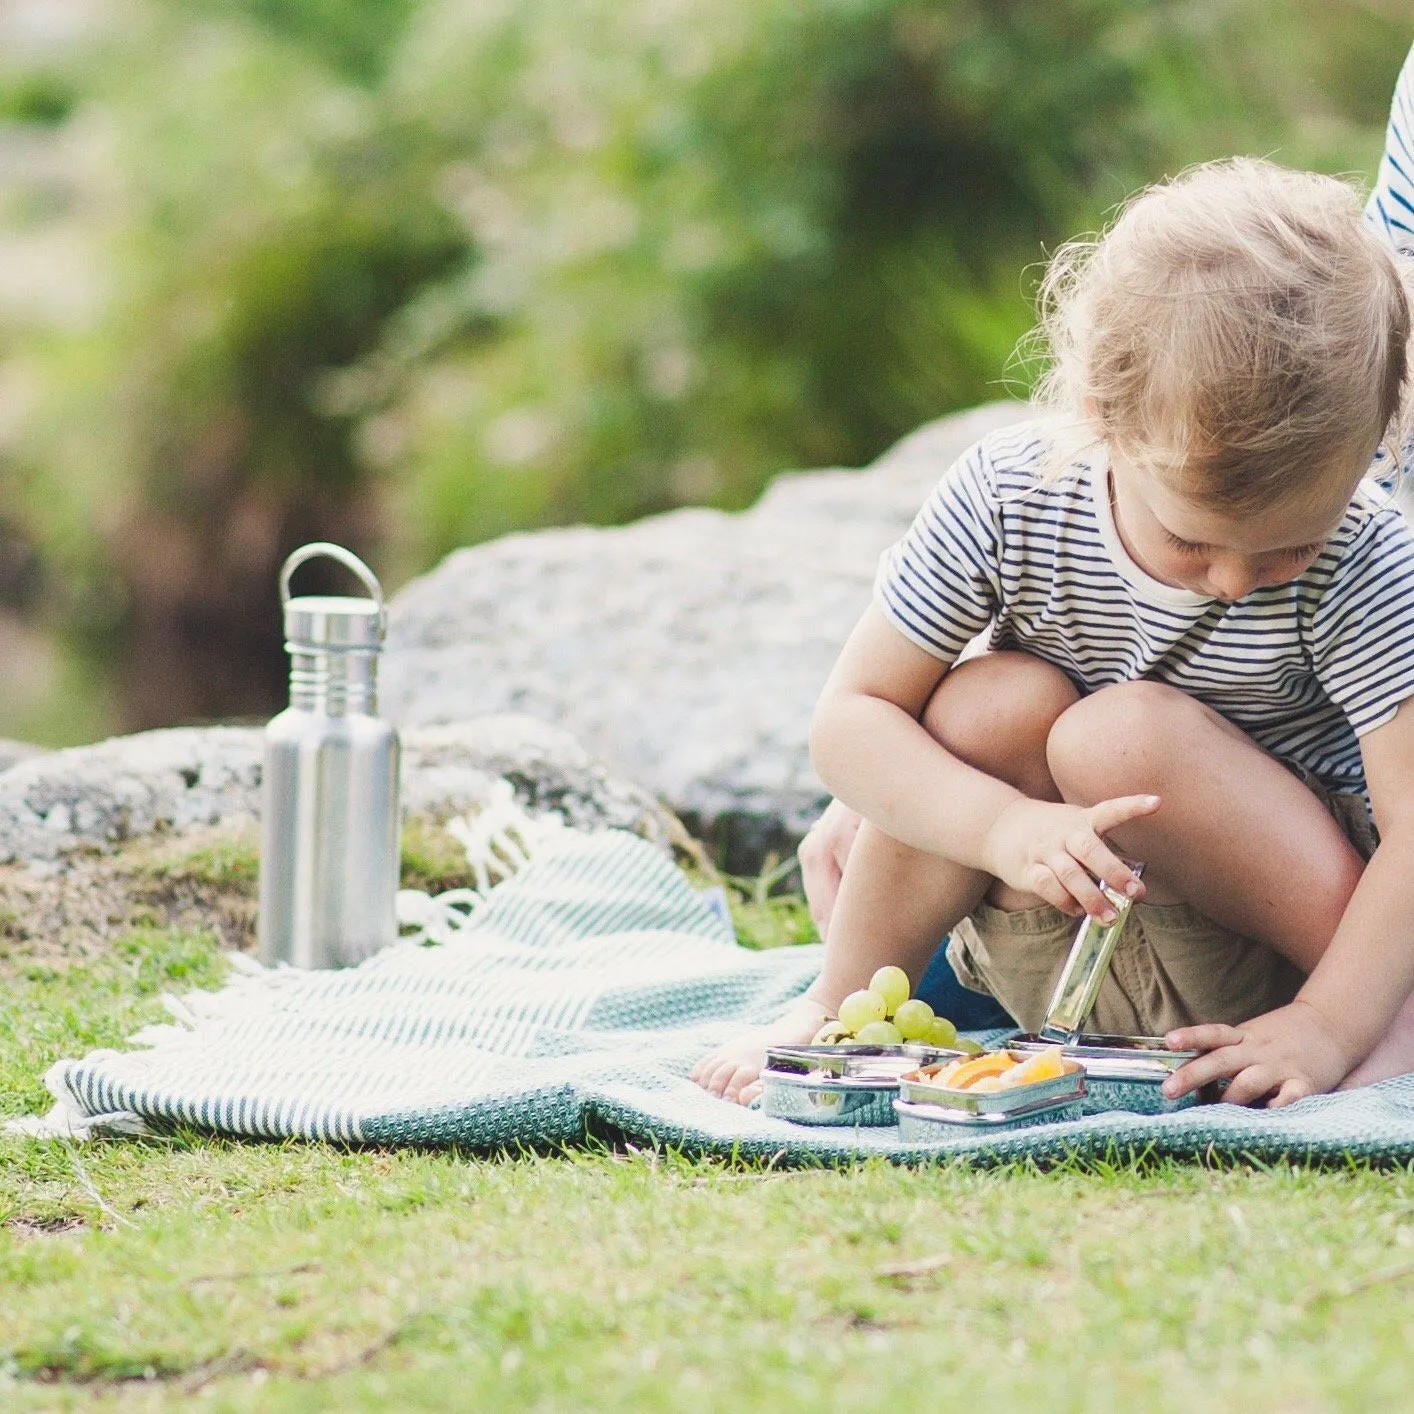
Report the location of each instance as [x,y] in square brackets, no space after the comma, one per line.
[988,1085]
[1044,1065]
[967,1073]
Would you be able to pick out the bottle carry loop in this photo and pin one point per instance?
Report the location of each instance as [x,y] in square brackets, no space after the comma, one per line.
[324,549]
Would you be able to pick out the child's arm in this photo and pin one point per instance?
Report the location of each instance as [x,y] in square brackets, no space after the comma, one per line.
[1361,982]
[868,746]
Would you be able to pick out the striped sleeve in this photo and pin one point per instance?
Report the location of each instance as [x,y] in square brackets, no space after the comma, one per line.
[1362,638]
[941,583]
[1391,206]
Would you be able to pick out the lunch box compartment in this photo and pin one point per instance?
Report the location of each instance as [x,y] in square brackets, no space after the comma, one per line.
[803,1101]
[1121,1072]
[840,1085]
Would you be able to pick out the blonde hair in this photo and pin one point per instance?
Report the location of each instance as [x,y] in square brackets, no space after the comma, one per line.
[1235,332]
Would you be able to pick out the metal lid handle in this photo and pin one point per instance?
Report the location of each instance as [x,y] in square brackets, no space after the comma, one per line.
[323,549]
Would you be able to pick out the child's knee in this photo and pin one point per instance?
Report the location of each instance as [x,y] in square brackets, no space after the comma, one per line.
[996,711]
[1122,740]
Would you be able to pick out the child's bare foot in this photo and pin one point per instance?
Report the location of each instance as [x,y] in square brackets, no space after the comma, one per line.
[732,1072]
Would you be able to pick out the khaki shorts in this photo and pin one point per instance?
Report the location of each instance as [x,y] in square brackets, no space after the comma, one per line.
[1173,967]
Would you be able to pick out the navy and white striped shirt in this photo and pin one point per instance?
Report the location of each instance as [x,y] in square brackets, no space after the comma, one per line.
[1305,668]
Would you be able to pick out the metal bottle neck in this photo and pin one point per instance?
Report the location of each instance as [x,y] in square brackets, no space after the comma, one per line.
[336,683]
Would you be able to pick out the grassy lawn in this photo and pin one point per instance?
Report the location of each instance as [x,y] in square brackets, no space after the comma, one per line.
[205,1273]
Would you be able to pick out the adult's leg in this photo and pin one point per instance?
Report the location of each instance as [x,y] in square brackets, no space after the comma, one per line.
[995,712]
[1236,834]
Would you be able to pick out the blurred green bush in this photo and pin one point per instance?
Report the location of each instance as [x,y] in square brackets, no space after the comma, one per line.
[413,273]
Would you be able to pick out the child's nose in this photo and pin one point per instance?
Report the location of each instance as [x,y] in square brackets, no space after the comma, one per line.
[1232,578]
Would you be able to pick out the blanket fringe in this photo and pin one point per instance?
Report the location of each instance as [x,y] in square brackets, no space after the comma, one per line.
[499,842]
[65,1121]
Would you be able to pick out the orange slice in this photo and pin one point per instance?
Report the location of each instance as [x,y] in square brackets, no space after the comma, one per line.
[1044,1065]
[936,1074]
[965,1073]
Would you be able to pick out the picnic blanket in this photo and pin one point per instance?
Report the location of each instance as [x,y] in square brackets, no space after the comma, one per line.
[574,1000]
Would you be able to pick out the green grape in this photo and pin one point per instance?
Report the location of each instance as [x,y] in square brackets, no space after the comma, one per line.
[965,1043]
[878,1033]
[942,1033]
[914,1020]
[830,1034]
[859,1009]
[893,985]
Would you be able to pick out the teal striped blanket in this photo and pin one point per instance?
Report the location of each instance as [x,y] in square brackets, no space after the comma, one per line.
[574,1002]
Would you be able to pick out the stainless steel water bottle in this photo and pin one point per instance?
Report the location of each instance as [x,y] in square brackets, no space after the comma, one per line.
[329,813]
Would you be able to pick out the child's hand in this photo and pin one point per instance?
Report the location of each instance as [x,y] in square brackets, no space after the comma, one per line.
[1282,1056]
[1056,851]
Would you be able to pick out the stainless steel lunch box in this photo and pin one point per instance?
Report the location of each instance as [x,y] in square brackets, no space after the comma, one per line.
[1121,1072]
[923,1106]
[842,1085]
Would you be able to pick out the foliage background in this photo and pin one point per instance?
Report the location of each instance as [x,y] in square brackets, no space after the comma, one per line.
[410,274]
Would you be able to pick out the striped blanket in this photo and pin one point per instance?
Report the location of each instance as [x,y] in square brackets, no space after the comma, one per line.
[573,1002]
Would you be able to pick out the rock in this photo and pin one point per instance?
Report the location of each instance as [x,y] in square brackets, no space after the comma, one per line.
[186,778]
[450,768]
[687,649]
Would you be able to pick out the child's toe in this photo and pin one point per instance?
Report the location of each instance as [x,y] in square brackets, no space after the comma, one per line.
[717,1076]
[743,1074]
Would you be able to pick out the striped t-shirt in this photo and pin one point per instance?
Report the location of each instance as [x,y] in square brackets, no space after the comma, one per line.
[1305,668]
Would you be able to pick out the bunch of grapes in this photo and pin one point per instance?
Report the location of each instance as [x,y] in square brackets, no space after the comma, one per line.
[883,1015]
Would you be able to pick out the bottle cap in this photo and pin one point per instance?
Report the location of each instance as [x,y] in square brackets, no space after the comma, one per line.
[331,621]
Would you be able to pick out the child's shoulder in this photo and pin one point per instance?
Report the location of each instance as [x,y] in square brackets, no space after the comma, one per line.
[1374,514]
[1019,458]
[1373,542]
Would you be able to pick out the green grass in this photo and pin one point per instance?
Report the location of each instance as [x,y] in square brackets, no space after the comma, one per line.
[221,862]
[140,1275]
[432,859]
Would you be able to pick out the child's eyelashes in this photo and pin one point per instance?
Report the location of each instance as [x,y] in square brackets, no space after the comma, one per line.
[1289,556]
[1303,552]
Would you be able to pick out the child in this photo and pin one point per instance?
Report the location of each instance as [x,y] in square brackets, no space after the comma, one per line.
[1202,618]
